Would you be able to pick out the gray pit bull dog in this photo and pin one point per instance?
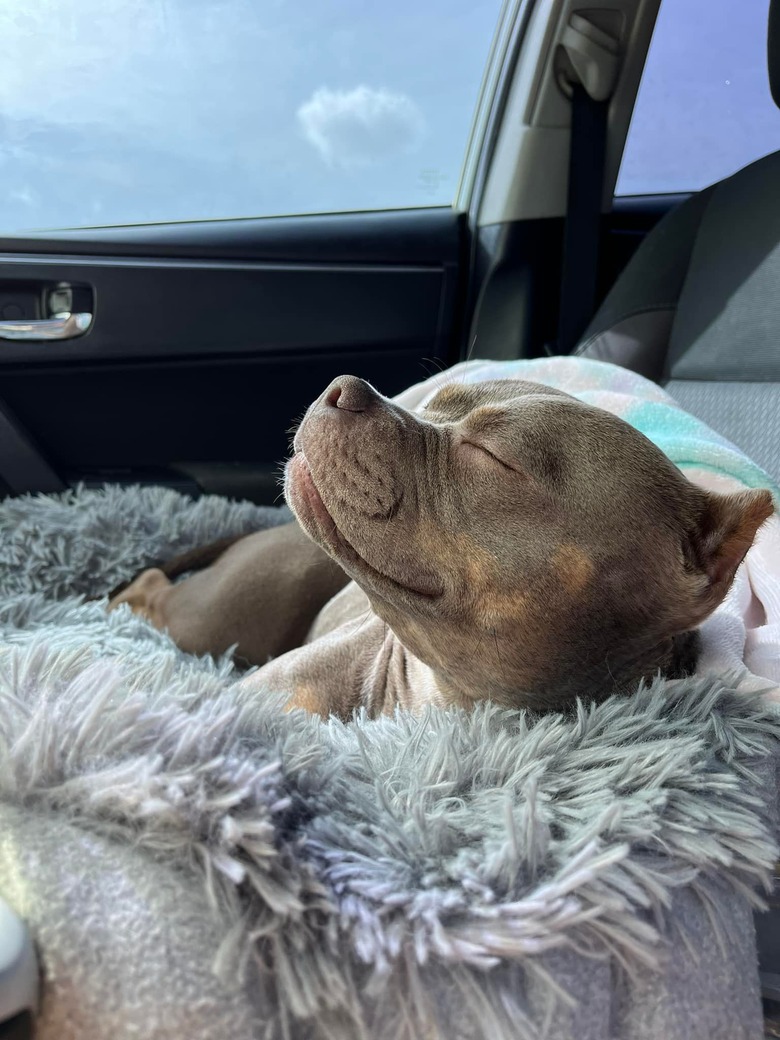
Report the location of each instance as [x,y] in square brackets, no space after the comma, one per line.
[510,543]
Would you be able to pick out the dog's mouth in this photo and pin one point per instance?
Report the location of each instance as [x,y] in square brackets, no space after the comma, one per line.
[307,504]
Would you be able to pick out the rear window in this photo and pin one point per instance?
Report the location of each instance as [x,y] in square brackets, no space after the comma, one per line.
[704,108]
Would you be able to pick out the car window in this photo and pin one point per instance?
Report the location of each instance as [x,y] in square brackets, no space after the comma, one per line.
[125,111]
[704,109]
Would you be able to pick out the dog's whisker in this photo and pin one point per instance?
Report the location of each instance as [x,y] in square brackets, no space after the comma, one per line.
[366,617]
[438,370]
[498,653]
[615,685]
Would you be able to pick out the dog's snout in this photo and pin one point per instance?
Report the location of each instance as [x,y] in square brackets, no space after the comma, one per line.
[350,394]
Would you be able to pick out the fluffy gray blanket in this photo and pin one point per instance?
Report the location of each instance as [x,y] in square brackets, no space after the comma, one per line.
[195,866]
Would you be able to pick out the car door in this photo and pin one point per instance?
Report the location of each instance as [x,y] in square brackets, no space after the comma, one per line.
[210,209]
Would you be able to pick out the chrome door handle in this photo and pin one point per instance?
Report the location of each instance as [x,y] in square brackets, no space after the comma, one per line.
[65,325]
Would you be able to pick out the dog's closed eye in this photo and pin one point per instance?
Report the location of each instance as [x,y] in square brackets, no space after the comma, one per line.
[487,453]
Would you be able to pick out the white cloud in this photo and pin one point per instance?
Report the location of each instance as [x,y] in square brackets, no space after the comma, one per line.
[362,126]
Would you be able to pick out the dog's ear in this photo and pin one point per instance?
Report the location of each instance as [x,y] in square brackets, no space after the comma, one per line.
[724,531]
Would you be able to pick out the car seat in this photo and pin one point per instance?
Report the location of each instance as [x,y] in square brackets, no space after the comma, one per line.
[697,308]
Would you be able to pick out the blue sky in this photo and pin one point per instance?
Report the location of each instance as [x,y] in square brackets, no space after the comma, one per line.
[118,111]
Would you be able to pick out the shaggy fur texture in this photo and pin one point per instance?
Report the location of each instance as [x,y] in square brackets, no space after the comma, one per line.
[196,865]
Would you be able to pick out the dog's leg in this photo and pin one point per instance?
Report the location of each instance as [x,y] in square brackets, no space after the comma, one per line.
[193,560]
[261,592]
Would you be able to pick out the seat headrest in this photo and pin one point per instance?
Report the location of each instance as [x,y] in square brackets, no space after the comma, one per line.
[773,49]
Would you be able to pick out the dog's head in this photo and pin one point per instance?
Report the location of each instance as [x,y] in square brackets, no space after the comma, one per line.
[526,546]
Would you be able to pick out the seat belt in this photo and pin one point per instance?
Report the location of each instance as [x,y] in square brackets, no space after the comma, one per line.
[594,61]
[587,155]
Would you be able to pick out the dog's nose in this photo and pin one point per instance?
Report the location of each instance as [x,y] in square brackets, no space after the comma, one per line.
[350,394]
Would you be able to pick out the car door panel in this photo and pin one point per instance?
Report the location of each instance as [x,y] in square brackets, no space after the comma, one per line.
[158,412]
[208,341]
[183,308]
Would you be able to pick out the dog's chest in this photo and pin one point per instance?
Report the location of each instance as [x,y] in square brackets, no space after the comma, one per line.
[349,639]
[351,604]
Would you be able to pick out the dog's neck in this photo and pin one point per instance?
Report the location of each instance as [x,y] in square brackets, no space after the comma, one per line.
[674,658]
[364,664]
[410,683]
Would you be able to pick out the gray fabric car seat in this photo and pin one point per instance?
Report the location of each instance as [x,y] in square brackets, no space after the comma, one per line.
[698,306]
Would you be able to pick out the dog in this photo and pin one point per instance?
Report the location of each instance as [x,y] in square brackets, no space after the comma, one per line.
[508,543]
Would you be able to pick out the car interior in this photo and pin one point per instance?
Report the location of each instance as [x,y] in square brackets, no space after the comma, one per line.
[180,354]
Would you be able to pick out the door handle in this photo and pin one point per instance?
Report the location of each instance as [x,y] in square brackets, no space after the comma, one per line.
[65,325]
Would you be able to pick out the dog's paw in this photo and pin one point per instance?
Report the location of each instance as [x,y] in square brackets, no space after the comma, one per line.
[144,595]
